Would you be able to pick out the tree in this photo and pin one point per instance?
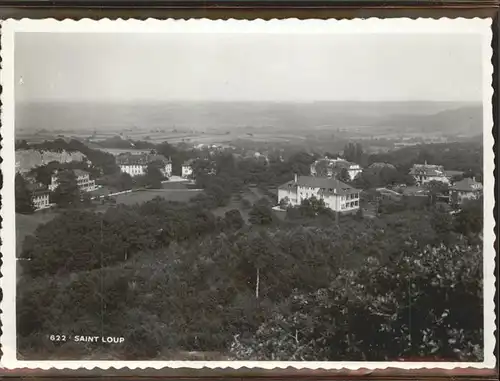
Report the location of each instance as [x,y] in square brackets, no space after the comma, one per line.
[344,175]
[67,192]
[23,200]
[125,182]
[364,313]
[284,203]
[321,168]
[469,221]
[153,176]
[233,219]
[261,214]
[43,173]
[353,152]
[442,223]
[435,189]
[245,204]
[22,144]
[359,214]
[312,207]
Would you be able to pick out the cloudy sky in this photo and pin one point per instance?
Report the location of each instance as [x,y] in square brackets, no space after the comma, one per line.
[240,67]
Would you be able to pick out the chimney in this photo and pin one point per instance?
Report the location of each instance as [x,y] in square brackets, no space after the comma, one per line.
[296,178]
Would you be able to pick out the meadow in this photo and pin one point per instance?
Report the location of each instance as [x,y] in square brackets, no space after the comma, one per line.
[176,195]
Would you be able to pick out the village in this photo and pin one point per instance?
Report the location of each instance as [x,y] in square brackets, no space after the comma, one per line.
[331,179]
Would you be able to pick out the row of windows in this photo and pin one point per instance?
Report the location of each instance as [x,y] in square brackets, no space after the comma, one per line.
[350,205]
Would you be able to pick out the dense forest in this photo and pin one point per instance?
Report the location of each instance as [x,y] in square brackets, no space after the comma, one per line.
[174,278]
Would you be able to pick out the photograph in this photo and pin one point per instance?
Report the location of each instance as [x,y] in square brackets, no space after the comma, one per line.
[314,193]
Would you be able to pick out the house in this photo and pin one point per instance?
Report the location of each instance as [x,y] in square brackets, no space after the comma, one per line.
[85,183]
[334,167]
[425,173]
[40,198]
[337,196]
[187,169]
[40,195]
[466,189]
[136,164]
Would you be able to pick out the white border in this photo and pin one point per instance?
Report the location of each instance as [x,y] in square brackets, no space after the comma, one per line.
[478,26]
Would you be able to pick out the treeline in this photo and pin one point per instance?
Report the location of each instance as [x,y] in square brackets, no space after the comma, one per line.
[465,157]
[83,240]
[284,292]
[118,142]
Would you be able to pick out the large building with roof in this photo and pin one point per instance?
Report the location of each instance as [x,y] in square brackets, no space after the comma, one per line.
[337,196]
[136,164]
[425,173]
[40,199]
[83,180]
[464,190]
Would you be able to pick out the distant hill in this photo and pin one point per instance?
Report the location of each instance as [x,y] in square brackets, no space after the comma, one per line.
[466,120]
[227,116]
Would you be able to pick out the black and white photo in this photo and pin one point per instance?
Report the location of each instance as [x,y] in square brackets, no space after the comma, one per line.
[311,193]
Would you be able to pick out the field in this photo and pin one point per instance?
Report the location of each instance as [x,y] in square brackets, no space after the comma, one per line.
[179,195]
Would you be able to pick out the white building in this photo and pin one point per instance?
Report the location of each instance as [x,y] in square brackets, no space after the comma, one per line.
[467,189]
[425,173]
[83,180]
[335,166]
[40,198]
[337,196]
[136,165]
[187,169]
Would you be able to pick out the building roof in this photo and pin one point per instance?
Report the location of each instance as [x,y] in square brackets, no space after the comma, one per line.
[324,183]
[80,172]
[381,165]
[37,188]
[427,170]
[336,163]
[454,173]
[76,172]
[141,159]
[40,192]
[188,162]
[467,185]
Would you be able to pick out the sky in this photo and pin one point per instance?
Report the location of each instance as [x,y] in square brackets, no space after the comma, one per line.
[107,67]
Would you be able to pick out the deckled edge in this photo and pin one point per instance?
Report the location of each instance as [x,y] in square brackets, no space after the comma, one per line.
[7,233]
